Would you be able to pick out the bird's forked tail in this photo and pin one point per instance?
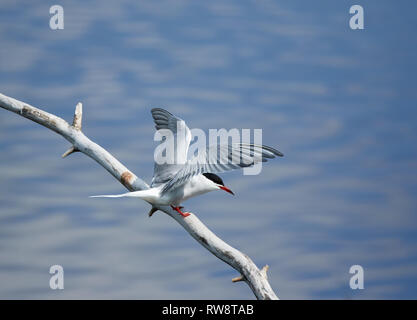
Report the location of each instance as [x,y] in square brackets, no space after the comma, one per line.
[128,194]
[147,195]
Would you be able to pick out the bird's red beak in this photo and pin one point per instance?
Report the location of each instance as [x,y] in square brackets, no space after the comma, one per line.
[226,189]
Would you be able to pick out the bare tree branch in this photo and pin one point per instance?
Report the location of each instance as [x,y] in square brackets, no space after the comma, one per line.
[255,278]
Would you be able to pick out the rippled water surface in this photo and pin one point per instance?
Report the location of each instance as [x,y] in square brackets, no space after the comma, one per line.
[340,104]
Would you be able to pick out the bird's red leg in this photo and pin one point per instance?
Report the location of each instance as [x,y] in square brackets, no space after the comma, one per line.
[178,209]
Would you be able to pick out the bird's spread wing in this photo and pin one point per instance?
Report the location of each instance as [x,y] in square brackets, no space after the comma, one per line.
[180,139]
[222,158]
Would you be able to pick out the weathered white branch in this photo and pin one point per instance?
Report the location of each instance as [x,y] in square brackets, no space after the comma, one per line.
[255,278]
[78,116]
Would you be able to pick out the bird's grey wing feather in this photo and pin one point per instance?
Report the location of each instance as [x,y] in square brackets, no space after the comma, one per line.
[181,138]
[164,173]
[222,158]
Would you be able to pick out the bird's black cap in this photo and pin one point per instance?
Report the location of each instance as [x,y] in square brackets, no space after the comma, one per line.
[214,177]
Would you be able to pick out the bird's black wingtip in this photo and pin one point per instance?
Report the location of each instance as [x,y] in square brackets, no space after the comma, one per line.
[274,151]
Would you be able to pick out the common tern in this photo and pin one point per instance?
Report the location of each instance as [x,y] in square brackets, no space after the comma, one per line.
[173,183]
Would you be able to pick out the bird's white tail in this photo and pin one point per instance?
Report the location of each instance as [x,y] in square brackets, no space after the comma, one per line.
[128,194]
[148,195]
[109,196]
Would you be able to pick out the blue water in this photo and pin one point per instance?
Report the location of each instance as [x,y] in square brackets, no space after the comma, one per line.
[339,103]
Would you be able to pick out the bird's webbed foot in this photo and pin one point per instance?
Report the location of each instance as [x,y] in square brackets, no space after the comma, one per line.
[178,209]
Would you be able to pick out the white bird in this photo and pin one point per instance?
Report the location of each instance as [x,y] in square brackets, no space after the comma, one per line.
[172,184]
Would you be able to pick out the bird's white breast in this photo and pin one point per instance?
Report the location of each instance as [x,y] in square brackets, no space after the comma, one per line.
[196,186]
